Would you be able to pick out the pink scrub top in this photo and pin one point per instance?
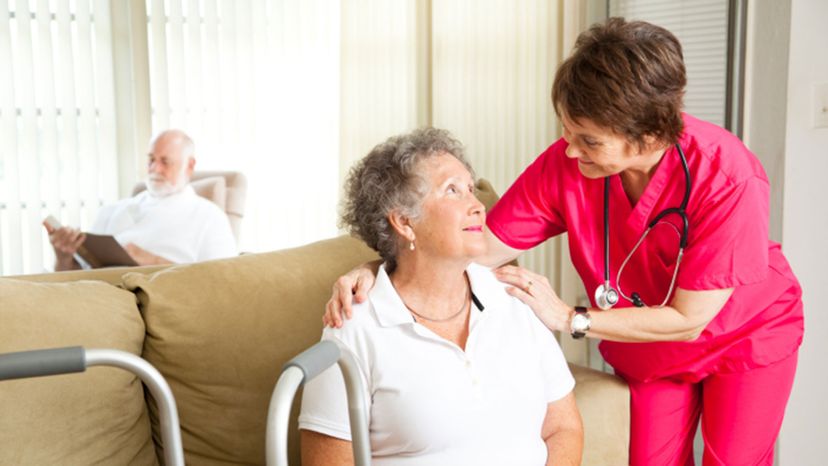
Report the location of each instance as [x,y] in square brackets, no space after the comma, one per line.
[727,247]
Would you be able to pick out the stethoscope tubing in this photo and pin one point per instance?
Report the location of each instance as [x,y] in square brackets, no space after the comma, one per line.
[606,232]
[681,211]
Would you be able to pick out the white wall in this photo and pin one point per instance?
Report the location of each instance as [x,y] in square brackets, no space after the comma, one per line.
[804,437]
[766,100]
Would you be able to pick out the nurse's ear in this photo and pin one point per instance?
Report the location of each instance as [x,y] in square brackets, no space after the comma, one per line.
[402,225]
[649,144]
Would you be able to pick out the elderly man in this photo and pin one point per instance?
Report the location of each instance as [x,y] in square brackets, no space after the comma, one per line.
[168,223]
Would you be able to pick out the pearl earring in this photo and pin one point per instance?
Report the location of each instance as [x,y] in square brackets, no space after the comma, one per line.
[411,246]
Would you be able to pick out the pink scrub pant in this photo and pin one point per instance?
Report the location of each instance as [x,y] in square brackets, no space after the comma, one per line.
[741,414]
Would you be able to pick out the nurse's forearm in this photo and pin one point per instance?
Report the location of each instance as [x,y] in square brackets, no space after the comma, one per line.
[497,252]
[683,320]
[644,324]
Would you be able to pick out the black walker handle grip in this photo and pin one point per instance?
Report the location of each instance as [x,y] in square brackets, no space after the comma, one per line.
[40,363]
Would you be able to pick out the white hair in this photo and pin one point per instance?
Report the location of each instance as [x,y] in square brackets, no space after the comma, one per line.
[161,188]
[184,141]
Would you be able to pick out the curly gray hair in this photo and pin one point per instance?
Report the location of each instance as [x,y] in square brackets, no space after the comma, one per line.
[389,179]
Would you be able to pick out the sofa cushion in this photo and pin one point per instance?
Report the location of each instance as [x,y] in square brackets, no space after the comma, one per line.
[220,332]
[95,417]
[604,402]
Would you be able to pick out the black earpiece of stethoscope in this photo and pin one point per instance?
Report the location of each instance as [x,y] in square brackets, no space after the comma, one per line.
[636,300]
[605,295]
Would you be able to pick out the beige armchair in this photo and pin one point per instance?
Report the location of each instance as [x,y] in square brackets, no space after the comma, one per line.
[226,189]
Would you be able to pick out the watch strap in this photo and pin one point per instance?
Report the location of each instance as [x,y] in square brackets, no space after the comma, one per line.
[579,310]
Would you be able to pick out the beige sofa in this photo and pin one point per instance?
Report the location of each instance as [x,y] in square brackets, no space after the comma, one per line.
[219,332]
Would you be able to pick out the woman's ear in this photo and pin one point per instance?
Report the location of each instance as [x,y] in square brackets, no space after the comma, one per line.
[401,224]
[650,143]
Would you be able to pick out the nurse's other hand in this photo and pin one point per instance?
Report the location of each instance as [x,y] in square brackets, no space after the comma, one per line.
[536,292]
[353,286]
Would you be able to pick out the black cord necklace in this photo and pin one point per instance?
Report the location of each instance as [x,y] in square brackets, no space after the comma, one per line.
[463,307]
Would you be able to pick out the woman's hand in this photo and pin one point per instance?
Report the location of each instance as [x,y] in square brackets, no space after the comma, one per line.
[536,292]
[349,288]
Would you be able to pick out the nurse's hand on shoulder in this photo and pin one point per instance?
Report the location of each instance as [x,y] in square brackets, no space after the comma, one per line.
[349,288]
[536,292]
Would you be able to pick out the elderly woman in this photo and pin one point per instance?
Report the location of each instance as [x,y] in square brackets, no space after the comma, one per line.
[667,218]
[456,370]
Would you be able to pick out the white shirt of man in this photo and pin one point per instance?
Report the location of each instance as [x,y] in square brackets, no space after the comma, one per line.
[430,402]
[182,227]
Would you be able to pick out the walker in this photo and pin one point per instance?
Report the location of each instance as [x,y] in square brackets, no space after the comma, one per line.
[76,359]
[301,369]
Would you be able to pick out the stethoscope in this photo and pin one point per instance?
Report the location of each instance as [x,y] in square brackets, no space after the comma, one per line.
[605,295]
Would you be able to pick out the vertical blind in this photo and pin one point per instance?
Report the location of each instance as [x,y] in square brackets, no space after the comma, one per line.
[288,92]
[701,26]
[494,63]
[257,86]
[380,93]
[57,134]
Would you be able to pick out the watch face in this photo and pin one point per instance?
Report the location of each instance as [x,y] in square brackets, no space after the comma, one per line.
[580,322]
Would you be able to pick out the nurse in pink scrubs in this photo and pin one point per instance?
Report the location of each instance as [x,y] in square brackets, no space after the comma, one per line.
[667,220]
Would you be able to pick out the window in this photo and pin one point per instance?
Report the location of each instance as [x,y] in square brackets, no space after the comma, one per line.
[702,28]
[57,133]
[256,85]
[289,92]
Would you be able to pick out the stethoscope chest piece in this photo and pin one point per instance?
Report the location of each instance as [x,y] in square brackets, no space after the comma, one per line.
[605,296]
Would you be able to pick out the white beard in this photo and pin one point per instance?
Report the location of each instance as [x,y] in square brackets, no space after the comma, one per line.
[158,186]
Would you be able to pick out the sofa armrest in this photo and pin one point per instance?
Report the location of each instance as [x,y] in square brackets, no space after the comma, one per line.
[604,402]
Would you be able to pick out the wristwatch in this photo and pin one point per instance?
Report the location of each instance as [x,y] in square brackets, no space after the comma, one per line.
[581,322]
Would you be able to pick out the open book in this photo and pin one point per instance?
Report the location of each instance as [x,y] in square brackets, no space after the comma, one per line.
[99,250]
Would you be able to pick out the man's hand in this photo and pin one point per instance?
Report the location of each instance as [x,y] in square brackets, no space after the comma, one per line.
[143,257]
[65,241]
[349,288]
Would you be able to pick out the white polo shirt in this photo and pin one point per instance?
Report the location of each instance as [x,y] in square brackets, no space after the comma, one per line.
[431,403]
[182,227]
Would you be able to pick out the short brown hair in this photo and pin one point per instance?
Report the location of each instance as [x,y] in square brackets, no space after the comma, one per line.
[628,77]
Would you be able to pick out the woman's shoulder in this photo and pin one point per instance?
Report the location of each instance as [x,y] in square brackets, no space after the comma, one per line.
[510,315]
[492,293]
[484,283]
[362,322]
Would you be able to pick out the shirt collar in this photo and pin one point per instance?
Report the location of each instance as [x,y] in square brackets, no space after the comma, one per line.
[391,311]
